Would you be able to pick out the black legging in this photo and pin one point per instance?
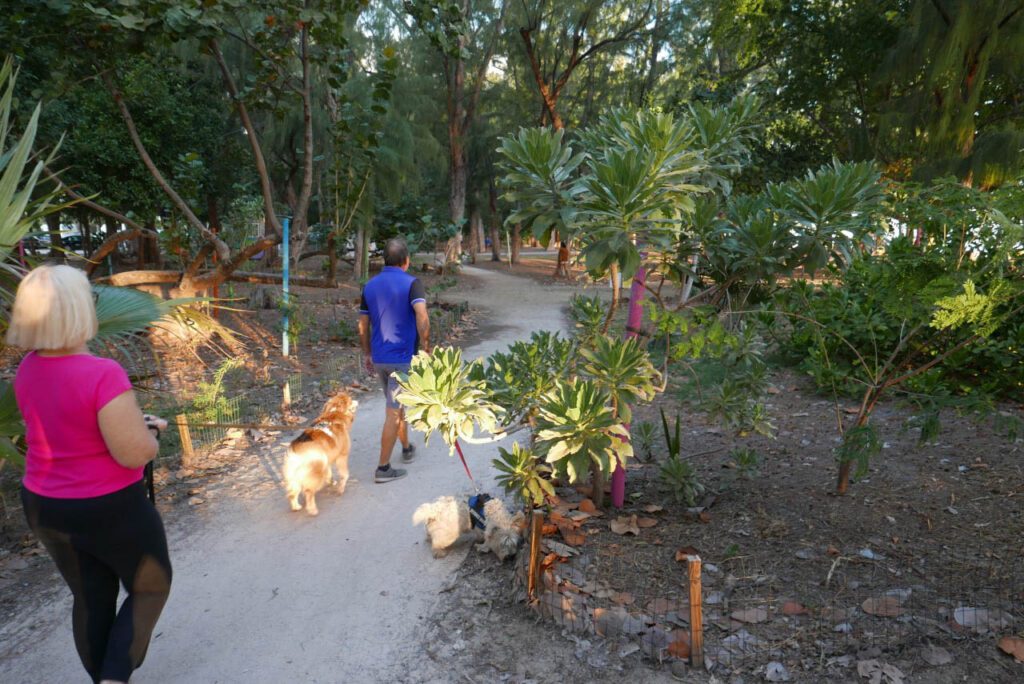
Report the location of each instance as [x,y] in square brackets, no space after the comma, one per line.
[95,543]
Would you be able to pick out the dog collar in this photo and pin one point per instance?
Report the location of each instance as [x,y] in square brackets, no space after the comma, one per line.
[323,426]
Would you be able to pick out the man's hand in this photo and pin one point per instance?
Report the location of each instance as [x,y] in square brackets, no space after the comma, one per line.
[368,363]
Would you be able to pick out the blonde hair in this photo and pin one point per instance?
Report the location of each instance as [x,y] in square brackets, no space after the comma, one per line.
[54,309]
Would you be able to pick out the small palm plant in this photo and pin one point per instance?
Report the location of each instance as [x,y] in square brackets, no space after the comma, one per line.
[577,432]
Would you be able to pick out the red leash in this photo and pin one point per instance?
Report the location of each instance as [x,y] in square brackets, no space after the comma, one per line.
[458,448]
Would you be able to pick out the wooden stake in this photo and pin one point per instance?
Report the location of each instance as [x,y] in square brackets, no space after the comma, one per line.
[187,454]
[533,576]
[287,399]
[696,613]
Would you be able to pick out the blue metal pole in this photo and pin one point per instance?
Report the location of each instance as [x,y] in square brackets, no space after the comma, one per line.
[284,280]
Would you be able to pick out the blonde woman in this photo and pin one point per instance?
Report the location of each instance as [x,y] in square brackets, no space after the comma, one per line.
[83,496]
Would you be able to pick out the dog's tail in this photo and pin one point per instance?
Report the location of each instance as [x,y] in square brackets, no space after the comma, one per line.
[422,514]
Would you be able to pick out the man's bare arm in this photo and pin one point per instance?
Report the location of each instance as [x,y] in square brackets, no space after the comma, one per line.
[422,325]
[364,340]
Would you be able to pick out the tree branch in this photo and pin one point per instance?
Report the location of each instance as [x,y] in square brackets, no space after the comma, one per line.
[943,13]
[254,142]
[176,200]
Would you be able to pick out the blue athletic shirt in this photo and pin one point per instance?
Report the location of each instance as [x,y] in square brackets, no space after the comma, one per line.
[387,299]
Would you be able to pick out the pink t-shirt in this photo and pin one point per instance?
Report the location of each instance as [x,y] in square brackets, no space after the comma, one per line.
[60,398]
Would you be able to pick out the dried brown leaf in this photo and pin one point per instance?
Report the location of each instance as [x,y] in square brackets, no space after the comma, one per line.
[623,598]
[646,522]
[682,554]
[679,647]
[884,606]
[750,616]
[624,525]
[794,608]
[1014,646]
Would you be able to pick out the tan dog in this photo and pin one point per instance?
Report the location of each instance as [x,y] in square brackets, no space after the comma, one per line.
[307,467]
[447,522]
[503,531]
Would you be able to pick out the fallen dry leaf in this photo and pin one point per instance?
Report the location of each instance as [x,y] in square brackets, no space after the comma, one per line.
[682,554]
[885,606]
[653,508]
[571,535]
[624,525]
[793,608]
[646,522]
[879,673]
[1014,646]
[750,616]
[548,529]
[680,644]
[623,598]
[587,506]
[936,656]
[704,517]
[981,620]
[660,606]
[832,551]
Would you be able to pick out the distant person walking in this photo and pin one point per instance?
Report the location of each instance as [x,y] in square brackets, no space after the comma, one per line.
[562,265]
[393,326]
[83,496]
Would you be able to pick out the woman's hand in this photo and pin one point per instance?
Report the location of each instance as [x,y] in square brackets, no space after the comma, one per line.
[155,424]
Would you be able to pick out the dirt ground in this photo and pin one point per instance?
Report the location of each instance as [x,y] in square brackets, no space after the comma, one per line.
[799,585]
[918,565]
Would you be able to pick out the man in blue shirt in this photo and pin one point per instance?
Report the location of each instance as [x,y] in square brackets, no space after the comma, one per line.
[393,326]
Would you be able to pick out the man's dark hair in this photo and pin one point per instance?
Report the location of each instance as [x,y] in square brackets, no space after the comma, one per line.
[395,252]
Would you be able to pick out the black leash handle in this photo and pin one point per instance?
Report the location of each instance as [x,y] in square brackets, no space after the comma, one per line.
[147,480]
[147,471]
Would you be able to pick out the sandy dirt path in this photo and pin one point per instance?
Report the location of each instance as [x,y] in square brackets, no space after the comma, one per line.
[264,595]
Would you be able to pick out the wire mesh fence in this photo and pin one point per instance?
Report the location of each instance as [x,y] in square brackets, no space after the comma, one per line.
[843,616]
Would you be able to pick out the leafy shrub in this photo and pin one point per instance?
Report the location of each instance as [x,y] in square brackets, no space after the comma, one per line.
[521,472]
[643,434]
[209,401]
[587,313]
[673,438]
[577,431]
[681,479]
[747,462]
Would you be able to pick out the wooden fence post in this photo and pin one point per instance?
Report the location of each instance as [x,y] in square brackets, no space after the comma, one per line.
[696,613]
[533,575]
[187,454]
[286,399]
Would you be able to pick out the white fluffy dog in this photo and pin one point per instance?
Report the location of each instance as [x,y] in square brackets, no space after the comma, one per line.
[447,521]
[503,531]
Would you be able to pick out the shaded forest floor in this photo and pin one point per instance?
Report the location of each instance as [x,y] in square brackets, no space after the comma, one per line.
[917,568]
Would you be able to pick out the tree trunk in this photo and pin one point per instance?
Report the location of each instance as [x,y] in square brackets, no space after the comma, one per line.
[517,242]
[616,288]
[492,192]
[475,232]
[332,259]
[457,177]
[358,268]
[53,227]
